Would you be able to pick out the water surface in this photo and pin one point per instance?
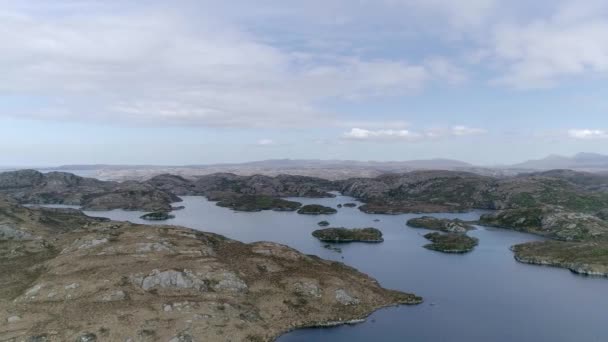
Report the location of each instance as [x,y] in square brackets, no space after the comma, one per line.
[481,296]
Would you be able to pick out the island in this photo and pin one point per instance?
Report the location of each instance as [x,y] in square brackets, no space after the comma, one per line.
[165,283]
[157,216]
[254,203]
[316,209]
[450,242]
[444,225]
[323,224]
[586,258]
[342,235]
[350,205]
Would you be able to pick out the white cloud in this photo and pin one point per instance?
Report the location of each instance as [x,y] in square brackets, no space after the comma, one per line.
[383,134]
[465,130]
[587,134]
[265,142]
[360,134]
[570,42]
[158,66]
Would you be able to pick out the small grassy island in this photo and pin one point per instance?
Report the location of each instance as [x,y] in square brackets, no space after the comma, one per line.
[316,209]
[340,235]
[323,224]
[255,203]
[450,242]
[157,216]
[444,225]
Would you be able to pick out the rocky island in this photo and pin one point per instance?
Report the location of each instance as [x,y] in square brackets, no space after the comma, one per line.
[341,235]
[257,203]
[316,209]
[450,242]
[87,279]
[585,258]
[444,225]
[157,216]
[323,224]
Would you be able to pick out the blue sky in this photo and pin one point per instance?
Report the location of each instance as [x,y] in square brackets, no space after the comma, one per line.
[191,82]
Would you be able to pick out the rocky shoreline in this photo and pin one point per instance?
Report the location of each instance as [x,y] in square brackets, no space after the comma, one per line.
[96,279]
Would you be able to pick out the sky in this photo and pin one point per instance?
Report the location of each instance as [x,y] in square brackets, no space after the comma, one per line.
[199,82]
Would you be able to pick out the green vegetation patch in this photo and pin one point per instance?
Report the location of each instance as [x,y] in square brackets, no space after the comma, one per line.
[451,242]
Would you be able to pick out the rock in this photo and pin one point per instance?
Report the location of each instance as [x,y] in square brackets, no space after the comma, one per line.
[93,243]
[182,337]
[345,299]
[8,232]
[170,279]
[348,235]
[350,205]
[72,286]
[228,281]
[87,337]
[13,319]
[34,290]
[113,296]
[323,224]
[308,289]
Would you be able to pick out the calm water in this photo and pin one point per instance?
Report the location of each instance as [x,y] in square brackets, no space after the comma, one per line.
[481,296]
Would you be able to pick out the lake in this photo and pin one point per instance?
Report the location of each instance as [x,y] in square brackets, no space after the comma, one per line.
[481,296]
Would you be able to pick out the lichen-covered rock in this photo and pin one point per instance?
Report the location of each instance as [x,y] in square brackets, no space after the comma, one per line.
[346,299]
[170,279]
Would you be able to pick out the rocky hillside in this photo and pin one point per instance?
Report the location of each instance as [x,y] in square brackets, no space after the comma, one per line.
[68,277]
[279,186]
[33,187]
[446,191]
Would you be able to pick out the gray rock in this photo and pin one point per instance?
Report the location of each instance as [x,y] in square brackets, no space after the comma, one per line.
[13,319]
[87,337]
[114,296]
[182,337]
[229,281]
[308,289]
[170,279]
[8,232]
[346,299]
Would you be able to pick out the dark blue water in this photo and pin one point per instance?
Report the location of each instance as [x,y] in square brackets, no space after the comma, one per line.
[481,296]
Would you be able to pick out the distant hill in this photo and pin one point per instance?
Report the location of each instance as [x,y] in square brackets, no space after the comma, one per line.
[580,161]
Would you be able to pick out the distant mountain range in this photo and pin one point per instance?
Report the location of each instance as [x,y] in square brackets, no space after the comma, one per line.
[339,169]
[580,161]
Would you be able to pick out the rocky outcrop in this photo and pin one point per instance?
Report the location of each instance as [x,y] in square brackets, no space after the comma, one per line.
[86,279]
[341,235]
[444,225]
[316,209]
